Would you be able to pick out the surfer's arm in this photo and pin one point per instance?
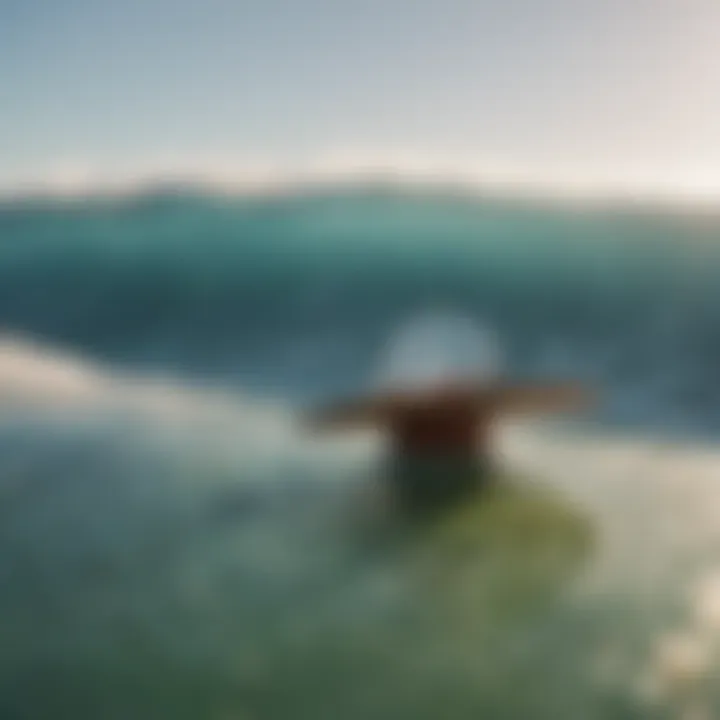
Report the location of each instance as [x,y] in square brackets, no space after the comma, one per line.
[551,397]
[347,414]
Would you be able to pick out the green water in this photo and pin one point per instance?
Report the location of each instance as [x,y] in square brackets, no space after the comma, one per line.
[166,591]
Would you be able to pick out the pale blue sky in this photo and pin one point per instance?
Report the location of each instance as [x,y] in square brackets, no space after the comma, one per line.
[556,88]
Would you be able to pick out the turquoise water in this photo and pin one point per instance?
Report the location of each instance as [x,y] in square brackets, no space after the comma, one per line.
[173,545]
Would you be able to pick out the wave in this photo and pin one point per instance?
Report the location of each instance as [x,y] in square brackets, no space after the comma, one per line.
[207,542]
[299,293]
[108,540]
[154,358]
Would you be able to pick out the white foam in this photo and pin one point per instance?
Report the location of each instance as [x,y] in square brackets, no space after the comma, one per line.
[705,602]
[30,374]
[54,383]
[50,385]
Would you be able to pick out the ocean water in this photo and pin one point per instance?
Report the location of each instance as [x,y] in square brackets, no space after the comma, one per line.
[174,545]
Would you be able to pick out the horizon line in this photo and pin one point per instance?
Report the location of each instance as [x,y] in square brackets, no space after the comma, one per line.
[58,188]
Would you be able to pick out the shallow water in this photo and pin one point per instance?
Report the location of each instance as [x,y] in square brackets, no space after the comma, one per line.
[151,572]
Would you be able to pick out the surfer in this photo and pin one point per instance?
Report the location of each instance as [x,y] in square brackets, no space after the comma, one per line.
[440,437]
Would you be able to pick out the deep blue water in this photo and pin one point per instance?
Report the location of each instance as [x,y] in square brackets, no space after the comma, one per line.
[299,293]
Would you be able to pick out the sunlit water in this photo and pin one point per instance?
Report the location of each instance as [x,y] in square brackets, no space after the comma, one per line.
[173,545]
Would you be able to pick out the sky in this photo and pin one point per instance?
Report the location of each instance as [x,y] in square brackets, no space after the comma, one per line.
[565,91]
